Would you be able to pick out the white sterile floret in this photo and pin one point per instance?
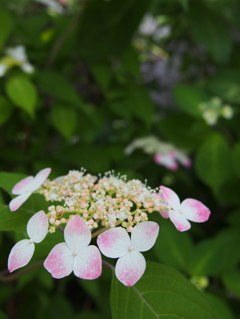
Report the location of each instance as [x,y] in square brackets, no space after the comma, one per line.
[22,252]
[116,243]
[26,187]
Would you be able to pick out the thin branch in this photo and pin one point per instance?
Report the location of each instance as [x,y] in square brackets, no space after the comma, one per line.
[20,273]
[60,41]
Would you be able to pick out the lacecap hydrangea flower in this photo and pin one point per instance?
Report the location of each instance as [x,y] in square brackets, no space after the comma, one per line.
[83,206]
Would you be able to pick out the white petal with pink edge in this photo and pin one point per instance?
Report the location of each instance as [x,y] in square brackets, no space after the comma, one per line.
[60,261]
[171,197]
[164,213]
[88,263]
[22,186]
[20,254]
[77,234]
[37,227]
[18,201]
[114,242]
[180,222]
[130,268]
[194,210]
[144,235]
[39,179]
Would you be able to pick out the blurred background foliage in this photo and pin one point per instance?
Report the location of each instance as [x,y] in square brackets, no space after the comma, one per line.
[96,76]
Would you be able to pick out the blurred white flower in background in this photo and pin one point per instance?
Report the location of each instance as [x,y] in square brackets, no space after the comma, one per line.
[15,56]
[164,154]
[213,109]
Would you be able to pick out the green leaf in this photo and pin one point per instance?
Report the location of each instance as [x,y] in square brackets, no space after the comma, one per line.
[173,247]
[226,85]
[184,4]
[211,31]
[14,221]
[6,26]
[162,292]
[231,280]
[64,119]
[220,306]
[102,72]
[213,161]
[206,258]
[56,85]
[236,159]
[8,180]
[101,31]
[188,99]
[184,131]
[227,240]
[22,93]
[5,110]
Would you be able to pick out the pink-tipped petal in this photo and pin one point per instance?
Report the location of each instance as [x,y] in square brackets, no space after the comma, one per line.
[184,159]
[180,222]
[60,261]
[194,210]
[22,186]
[171,197]
[39,179]
[37,227]
[88,263]
[114,242]
[164,213]
[77,234]
[168,160]
[20,254]
[18,201]
[144,235]
[130,268]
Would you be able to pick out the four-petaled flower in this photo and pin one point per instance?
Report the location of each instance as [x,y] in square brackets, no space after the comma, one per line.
[116,243]
[26,187]
[75,255]
[189,209]
[22,252]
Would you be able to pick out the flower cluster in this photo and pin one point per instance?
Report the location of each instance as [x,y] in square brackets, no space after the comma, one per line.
[163,153]
[15,56]
[213,109]
[117,207]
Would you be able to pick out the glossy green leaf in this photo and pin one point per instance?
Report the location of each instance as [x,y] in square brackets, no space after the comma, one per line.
[173,247]
[6,21]
[210,30]
[188,98]
[163,293]
[64,119]
[58,86]
[102,73]
[231,280]
[5,110]
[213,161]
[219,304]
[205,259]
[22,93]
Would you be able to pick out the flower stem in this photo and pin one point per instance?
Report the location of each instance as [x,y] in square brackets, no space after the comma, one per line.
[108,265]
[20,273]
[100,231]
